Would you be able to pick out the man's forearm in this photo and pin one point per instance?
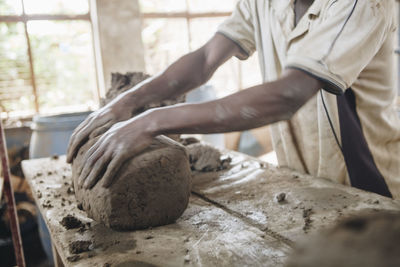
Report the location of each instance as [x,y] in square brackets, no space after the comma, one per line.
[250,108]
[187,73]
[177,79]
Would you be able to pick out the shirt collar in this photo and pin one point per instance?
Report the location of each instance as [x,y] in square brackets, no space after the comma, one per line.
[283,6]
[315,8]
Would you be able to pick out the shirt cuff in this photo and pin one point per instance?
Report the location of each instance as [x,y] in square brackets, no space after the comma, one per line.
[332,83]
[245,51]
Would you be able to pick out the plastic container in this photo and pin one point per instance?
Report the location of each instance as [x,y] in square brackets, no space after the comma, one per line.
[50,134]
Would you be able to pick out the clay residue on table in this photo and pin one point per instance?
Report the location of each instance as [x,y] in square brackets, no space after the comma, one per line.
[71,222]
[307,219]
[73,258]
[368,240]
[79,246]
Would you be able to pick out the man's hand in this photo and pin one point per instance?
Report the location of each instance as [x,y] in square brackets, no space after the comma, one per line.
[190,71]
[260,105]
[97,123]
[121,142]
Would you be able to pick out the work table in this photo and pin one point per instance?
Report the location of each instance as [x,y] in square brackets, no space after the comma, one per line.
[250,214]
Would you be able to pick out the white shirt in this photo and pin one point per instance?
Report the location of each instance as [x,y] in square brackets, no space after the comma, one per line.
[349,45]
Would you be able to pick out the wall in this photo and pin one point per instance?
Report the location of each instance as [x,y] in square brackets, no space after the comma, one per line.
[117,35]
[398,47]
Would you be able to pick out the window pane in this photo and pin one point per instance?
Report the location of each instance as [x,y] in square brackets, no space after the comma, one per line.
[211,5]
[202,29]
[251,74]
[64,64]
[165,40]
[226,78]
[56,6]
[15,81]
[10,7]
[162,5]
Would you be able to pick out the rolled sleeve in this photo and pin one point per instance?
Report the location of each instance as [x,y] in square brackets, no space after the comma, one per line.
[343,43]
[240,29]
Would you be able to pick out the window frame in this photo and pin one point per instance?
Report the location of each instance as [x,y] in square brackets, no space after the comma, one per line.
[25,18]
[188,15]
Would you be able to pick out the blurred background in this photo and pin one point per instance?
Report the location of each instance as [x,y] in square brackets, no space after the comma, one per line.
[48,57]
[57,56]
[56,60]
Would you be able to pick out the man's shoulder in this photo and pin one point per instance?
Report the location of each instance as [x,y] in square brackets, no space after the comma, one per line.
[377,10]
[372,4]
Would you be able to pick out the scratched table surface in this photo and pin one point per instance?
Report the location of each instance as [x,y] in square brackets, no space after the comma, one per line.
[234,217]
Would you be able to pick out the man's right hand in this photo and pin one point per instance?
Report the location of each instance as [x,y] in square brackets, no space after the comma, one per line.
[98,123]
[189,72]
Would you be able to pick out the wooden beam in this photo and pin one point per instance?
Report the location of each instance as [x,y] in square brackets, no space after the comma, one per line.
[149,15]
[31,68]
[28,17]
[169,15]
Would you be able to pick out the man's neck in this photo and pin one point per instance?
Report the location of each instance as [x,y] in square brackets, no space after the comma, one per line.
[300,8]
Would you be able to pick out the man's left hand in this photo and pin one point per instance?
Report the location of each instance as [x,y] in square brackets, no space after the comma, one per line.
[120,143]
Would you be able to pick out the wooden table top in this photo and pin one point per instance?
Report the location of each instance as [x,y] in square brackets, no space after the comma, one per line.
[233,218]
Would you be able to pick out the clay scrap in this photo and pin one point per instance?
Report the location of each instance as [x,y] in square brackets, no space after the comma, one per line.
[368,240]
[205,158]
[71,222]
[79,246]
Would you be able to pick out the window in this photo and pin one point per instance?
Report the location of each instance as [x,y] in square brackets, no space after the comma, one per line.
[172,28]
[46,57]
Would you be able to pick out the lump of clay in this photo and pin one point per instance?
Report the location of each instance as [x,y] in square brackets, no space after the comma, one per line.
[151,189]
[205,158]
[369,240]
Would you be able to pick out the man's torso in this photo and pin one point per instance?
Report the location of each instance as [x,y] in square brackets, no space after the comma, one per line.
[307,143]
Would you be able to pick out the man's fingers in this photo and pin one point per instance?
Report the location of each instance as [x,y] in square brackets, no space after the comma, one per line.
[74,147]
[112,170]
[117,162]
[80,136]
[84,123]
[97,170]
[89,163]
[74,139]
[91,151]
[100,130]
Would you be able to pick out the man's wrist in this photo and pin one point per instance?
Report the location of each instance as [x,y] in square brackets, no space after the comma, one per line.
[134,97]
[152,122]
